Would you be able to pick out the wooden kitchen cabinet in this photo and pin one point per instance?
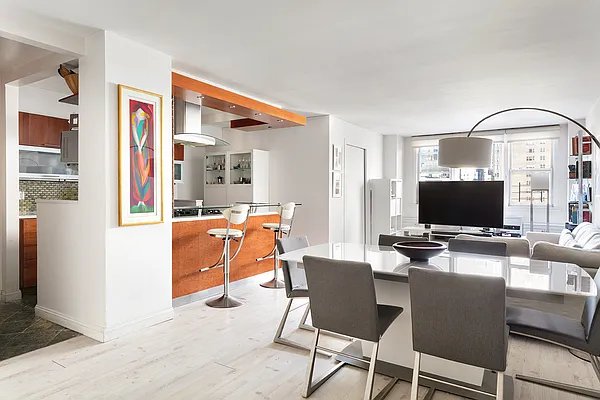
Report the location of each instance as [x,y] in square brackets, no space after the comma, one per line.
[178,152]
[28,252]
[41,130]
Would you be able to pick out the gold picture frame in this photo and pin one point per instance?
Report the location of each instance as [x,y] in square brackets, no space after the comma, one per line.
[140,157]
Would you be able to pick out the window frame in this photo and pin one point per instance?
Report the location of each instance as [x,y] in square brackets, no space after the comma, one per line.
[550,171]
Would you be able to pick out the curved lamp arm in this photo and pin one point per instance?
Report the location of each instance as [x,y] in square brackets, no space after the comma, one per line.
[537,109]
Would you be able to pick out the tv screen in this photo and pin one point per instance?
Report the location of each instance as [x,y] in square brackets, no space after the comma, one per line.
[460,203]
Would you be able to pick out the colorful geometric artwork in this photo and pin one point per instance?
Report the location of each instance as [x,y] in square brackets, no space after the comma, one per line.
[140,155]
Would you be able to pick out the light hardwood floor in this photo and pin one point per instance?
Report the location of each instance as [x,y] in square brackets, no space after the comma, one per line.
[208,353]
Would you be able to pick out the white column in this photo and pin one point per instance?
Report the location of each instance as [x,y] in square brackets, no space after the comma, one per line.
[113,280]
[9,192]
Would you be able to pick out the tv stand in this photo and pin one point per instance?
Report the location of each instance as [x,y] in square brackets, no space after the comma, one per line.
[446,235]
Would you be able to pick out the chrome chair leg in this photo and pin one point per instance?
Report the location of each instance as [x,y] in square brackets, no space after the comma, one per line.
[371,375]
[225,300]
[275,283]
[500,386]
[414,391]
[303,324]
[287,342]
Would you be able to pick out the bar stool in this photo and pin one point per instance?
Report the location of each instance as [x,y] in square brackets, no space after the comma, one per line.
[283,227]
[235,215]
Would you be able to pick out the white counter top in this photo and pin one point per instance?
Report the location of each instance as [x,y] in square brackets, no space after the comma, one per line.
[207,217]
[27,216]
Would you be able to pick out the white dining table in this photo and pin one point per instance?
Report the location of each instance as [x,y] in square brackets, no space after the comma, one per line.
[531,278]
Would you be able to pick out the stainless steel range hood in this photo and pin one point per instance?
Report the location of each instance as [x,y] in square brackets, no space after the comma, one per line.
[188,126]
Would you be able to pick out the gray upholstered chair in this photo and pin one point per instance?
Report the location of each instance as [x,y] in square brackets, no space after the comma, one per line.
[388,240]
[295,288]
[478,247]
[343,301]
[459,318]
[582,335]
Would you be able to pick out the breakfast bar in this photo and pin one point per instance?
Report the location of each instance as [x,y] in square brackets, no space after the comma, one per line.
[194,249]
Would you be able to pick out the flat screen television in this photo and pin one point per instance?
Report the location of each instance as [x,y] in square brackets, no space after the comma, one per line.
[461,203]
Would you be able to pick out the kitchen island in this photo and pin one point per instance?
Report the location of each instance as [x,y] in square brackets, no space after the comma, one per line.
[194,249]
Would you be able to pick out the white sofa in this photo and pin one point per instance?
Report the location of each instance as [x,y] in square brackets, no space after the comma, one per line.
[581,247]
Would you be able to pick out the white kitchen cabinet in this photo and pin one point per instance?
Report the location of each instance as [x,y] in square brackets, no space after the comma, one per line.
[236,176]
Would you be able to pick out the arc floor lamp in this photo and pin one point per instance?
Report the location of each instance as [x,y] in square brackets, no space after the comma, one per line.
[475,152]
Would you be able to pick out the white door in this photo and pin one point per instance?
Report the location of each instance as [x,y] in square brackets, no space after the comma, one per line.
[355,195]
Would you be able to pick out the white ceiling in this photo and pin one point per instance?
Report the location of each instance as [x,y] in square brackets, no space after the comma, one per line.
[14,54]
[392,66]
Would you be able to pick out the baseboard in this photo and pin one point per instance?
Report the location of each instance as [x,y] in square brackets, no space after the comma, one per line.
[137,325]
[103,334]
[94,332]
[12,296]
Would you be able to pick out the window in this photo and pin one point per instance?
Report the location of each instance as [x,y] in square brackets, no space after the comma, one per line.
[523,164]
[429,170]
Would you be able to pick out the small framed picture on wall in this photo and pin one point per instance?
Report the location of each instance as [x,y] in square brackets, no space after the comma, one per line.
[336,184]
[337,158]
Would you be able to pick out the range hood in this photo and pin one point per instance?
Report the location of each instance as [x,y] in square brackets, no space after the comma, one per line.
[188,126]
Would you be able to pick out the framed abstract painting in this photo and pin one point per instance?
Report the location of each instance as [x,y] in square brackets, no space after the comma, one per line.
[140,157]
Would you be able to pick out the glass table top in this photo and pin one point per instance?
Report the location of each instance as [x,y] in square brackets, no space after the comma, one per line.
[521,274]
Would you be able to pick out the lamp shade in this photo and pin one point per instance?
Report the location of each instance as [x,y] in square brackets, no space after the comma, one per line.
[465,152]
[540,181]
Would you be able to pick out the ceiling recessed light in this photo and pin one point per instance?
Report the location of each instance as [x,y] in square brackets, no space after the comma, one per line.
[231,106]
[257,114]
[279,120]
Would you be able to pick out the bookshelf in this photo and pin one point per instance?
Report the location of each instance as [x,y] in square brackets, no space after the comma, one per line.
[581,172]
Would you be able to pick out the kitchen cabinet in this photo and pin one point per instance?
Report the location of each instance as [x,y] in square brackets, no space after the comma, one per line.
[41,130]
[236,176]
[178,152]
[28,252]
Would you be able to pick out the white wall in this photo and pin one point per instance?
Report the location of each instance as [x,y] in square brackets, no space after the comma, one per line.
[298,159]
[9,192]
[342,133]
[593,124]
[122,274]
[558,212]
[44,102]
[192,187]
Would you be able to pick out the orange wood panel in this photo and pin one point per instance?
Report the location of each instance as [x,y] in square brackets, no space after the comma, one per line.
[28,252]
[194,249]
[178,152]
[221,99]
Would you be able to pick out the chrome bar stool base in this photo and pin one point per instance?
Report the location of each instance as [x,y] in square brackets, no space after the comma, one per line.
[224,301]
[273,284]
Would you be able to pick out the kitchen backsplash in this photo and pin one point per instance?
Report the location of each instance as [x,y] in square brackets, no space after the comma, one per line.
[48,190]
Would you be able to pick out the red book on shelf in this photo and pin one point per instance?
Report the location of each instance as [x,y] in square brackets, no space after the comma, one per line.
[586,145]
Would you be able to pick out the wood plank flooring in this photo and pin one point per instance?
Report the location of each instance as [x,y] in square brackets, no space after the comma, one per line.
[208,353]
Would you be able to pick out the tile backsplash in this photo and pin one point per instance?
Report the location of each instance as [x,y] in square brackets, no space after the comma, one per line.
[48,190]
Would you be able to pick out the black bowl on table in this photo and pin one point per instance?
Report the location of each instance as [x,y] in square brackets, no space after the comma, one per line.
[419,250]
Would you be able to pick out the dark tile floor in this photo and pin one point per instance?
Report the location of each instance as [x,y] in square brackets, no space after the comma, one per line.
[21,331]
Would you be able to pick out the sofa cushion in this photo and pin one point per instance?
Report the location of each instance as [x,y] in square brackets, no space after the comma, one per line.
[572,243]
[581,227]
[593,243]
[565,237]
[587,236]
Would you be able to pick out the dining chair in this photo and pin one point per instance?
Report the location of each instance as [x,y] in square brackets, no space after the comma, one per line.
[343,300]
[582,335]
[478,247]
[295,288]
[388,240]
[459,318]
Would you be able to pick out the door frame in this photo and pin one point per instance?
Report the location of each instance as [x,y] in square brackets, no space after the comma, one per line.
[365,197]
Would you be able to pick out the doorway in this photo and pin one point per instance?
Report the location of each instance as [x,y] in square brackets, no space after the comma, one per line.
[355,195]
